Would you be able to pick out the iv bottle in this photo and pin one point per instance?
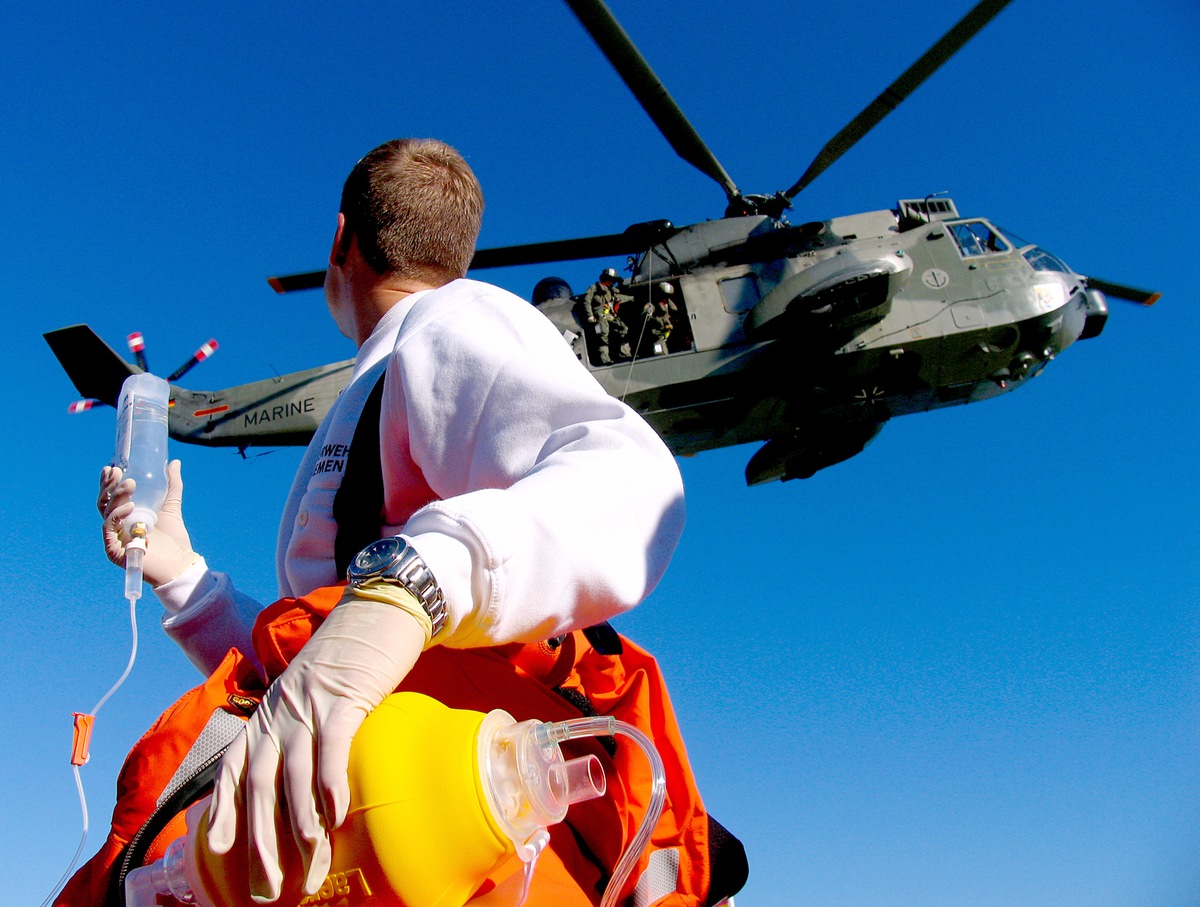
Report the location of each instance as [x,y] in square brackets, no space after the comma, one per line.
[441,800]
[141,449]
[141,453]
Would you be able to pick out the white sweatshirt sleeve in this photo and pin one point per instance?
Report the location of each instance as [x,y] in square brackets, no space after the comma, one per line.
[540,503]
[207,616]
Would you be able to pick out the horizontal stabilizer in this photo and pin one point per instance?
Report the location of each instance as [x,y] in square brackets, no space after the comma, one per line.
[93,367]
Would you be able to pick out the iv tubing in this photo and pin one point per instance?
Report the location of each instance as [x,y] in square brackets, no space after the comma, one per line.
[78,780]
[602,726]
[82,840]
[132,657]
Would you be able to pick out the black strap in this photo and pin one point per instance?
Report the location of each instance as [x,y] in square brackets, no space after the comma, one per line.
[604,638]
[728,868]
[133,854]
[358,504]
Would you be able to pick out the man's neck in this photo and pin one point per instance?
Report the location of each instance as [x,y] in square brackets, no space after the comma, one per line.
[377,300]
[357,295]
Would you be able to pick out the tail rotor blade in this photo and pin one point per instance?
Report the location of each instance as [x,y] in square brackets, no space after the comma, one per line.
[137,346]
[206,350]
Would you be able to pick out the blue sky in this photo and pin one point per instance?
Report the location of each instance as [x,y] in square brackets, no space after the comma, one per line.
[958,669]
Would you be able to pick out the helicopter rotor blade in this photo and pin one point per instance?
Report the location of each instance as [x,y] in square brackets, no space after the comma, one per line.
[1120,291]
[636,238]
[291,283]
[650,92]
[560,250]
[949,44]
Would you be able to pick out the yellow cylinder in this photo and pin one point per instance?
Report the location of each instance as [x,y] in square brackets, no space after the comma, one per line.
[418,832]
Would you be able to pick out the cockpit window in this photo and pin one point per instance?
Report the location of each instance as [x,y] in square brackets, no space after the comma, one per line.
[1017,241]
[976,237]
[1041,260]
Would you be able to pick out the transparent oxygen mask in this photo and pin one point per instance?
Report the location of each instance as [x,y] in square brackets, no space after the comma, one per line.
[554,733]
[421,771]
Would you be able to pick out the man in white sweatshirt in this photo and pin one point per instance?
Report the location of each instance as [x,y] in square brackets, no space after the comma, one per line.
[490,432]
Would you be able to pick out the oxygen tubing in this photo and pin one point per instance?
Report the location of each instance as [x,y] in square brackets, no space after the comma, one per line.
[606,726]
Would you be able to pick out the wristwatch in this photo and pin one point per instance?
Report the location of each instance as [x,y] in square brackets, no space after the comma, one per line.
[394,560]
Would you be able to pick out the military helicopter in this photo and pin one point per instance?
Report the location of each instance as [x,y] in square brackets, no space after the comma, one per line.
[806,338]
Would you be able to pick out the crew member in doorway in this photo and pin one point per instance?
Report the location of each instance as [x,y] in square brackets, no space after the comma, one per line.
[657,315]
[602,303]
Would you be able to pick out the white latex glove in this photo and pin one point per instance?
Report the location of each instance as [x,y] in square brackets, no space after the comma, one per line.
[355,659]
[168,547]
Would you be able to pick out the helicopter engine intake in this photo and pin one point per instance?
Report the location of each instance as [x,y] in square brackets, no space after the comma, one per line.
[850,289]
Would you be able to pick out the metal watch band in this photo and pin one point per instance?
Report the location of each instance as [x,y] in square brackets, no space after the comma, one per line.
[394,560]
[415,576]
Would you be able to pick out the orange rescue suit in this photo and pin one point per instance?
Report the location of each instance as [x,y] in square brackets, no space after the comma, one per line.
[538,681]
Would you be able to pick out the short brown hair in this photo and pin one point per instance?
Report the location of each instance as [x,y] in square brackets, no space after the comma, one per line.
[416,208]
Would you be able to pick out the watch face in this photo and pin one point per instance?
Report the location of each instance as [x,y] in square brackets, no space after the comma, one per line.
[377,557]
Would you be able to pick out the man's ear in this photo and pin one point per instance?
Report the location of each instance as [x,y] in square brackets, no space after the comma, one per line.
[341,242]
